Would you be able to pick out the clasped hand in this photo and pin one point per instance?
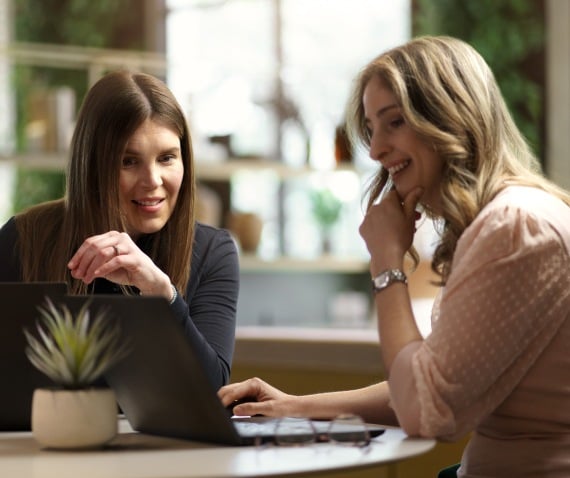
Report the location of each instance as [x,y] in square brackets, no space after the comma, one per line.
[115,257]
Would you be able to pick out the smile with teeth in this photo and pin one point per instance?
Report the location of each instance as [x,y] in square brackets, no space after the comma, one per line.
[154,202]
[398,167]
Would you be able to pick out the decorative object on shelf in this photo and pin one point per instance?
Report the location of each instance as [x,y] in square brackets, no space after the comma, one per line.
[342,147]
[326,210]
[74,351]
[208,206]
[247,228]
[51,117]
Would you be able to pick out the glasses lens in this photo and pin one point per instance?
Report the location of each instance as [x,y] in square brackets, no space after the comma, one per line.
[350,430]
[295,431]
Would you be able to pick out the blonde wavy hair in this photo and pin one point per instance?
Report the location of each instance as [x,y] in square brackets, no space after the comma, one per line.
[449,97]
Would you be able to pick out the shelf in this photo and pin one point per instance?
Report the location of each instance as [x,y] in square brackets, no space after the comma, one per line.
[50,161]
[93,60]
[250,263]
[205,170]
[223,170]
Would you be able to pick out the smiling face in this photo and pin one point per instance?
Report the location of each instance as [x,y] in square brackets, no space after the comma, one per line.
[150,178]
[409,160]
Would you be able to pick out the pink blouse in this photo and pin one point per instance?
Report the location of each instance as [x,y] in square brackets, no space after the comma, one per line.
[497,362]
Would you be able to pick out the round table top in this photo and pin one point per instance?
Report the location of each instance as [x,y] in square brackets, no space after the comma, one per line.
[136,455]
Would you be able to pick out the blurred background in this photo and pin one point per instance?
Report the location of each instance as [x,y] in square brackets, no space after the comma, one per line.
[264,85]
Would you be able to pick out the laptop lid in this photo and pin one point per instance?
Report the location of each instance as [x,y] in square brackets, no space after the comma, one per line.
[161,386]
[19,302]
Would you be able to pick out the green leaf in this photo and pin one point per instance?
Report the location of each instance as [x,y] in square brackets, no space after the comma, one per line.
[74,351]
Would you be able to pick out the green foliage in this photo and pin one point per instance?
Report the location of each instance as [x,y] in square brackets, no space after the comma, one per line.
[326,207]
[87,23]
[100,24]
[34,186]
[510,35]
[73,351]
[29,78]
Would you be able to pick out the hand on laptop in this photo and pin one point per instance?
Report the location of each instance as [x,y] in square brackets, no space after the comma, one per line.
[256,397]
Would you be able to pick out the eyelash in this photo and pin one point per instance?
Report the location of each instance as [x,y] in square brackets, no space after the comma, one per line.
[168,158]
[393,124]
[397,122]
[129,161]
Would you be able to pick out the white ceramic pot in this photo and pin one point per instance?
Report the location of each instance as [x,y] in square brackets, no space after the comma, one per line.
[74,418]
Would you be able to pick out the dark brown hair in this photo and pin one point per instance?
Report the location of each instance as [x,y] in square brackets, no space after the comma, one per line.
[111,112]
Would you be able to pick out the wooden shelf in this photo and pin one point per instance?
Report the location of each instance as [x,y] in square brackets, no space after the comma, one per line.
[205,170]
[95,61]
[250,263]
[50,161]
[224,170]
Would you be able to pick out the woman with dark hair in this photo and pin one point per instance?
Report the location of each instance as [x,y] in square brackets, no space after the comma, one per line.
[496,362]
[127,221]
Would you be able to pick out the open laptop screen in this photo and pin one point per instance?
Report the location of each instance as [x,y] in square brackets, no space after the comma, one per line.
[19,302]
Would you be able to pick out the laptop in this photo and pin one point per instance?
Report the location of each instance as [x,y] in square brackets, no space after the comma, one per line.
[160,384]
[19,302]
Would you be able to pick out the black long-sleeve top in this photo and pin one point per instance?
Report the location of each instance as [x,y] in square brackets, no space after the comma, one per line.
[209,312]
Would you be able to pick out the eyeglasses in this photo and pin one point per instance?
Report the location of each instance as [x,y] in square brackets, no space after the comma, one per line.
[343,430]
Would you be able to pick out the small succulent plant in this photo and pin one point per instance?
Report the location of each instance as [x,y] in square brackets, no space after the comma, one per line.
[73,351]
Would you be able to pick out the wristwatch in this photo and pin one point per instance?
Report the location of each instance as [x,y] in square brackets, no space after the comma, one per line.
[386,278]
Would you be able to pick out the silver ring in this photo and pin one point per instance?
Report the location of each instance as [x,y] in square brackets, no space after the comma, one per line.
[117,252]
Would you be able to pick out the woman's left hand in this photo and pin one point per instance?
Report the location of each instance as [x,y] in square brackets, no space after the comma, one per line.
[114,256]
[388,229]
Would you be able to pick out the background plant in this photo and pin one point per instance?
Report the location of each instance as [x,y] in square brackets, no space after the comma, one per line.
[510,35]
[34,186]
[99,24]
[326,207]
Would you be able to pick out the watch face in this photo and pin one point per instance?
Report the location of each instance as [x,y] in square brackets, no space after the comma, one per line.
[381,280]
[386,278]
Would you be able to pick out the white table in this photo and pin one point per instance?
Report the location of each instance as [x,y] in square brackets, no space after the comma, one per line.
[135,455]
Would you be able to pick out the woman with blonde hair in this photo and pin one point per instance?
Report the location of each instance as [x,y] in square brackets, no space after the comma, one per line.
[495,363]
[127,221]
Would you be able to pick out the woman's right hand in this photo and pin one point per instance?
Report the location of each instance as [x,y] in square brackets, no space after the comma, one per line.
[388,230]
[257,397]
[116,257]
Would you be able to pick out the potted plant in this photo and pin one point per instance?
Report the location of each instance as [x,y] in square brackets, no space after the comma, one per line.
[74,351]
[326,210]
